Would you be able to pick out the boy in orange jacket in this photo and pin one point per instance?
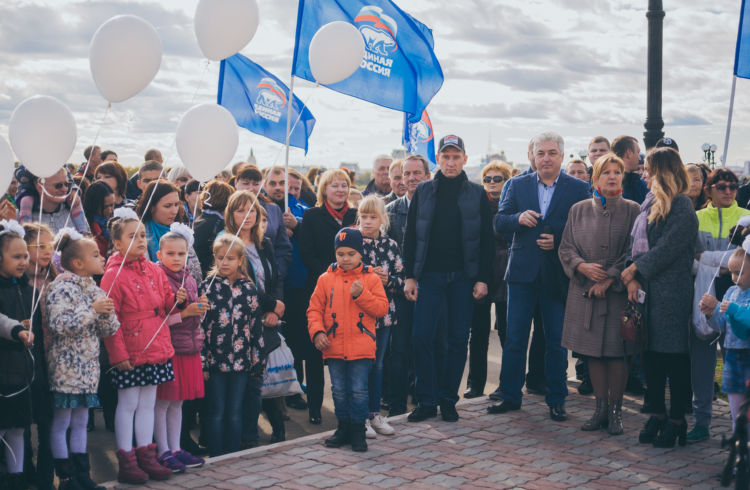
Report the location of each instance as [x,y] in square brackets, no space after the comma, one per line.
[341,319]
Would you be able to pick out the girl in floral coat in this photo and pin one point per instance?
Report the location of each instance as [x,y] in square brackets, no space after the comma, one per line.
[232,349]
[383,255]
[77,315]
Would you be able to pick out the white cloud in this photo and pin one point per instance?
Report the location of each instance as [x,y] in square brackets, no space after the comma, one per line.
[512,70]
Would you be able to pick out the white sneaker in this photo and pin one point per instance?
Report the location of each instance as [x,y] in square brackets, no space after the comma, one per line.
[369,433]
[381,425]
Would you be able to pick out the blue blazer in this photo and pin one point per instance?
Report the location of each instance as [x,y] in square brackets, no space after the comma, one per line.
[527,261]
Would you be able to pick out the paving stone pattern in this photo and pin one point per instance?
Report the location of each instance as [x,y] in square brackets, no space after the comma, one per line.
[523,449]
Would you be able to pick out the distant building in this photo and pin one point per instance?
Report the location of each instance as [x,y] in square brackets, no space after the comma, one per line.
[399,153]
[352,166]
[494,156]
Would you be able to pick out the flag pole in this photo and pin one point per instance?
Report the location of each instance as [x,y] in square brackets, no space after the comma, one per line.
[729,121]
[288,137]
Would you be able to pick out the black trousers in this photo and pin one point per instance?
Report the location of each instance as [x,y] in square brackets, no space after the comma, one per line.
[298,339]
[479,340]
[676,367]
[400,360]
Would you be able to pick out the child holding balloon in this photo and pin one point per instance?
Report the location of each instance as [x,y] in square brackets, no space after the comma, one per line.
[141,350]
[187,340]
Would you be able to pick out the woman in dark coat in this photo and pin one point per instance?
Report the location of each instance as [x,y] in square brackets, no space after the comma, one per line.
[662,255]
[315,237]
[592,252]
[494,177]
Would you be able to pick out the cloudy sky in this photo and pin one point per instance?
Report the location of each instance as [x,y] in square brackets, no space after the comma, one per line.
[512,69]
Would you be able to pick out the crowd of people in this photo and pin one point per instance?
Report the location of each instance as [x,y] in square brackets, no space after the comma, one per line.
[160,299]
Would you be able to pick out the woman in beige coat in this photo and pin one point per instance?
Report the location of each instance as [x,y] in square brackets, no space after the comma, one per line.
[592,252]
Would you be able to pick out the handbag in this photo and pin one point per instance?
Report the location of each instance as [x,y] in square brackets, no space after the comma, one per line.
[632,328]
[280,378]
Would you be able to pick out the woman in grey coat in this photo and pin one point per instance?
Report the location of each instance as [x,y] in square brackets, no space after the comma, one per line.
[662,254]
[592,252]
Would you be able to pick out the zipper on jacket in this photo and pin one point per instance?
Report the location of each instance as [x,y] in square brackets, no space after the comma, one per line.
[719,223]
[363,329]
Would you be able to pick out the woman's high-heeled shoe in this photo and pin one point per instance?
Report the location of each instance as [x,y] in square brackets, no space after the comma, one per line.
[672,433]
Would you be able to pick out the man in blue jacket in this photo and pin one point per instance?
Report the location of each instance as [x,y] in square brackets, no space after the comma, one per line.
[535,210]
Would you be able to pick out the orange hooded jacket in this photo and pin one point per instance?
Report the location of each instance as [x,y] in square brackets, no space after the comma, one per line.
[348,323]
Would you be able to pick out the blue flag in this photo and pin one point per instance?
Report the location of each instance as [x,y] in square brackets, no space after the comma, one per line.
[258,101]
[419,138]
[742,53]
[399,69]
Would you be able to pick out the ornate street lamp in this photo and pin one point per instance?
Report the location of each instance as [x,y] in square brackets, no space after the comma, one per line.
[654,122]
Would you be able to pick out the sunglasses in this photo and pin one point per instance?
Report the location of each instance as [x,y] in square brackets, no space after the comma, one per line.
[44,247]
[60,185]
[496,179]
[724,187]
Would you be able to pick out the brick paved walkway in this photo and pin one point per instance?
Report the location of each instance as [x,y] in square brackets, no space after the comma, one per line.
[523,449]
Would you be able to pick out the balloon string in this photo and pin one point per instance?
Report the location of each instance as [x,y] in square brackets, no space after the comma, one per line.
[132,240]
[34,302]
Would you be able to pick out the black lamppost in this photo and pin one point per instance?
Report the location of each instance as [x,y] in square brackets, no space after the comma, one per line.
[654,122]
[709,154]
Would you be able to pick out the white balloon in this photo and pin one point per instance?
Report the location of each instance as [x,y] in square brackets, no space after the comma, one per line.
[336,51]
[207,139]
[224,27]
[42,132]
[124,56]
[7,166]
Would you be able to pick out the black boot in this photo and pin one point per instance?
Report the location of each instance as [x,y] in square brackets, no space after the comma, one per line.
[276,418]
[341,436]
[672,433]
[651,429]
[82,471]
[64,471]
[357,436]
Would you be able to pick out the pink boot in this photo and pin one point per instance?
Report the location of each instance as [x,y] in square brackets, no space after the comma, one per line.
[129,472]
[147,462]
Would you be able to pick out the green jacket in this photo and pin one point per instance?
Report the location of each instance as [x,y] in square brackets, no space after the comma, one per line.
[714,225]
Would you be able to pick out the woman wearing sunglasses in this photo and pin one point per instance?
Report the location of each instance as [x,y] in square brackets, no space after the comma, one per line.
[714,224]
[494,176]
[61,205]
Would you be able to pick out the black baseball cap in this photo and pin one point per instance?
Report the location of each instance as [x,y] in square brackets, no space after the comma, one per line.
[451,140]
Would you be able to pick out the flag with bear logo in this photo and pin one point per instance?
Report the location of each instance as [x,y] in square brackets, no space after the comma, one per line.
[419,138]
[258,101]
[399,70]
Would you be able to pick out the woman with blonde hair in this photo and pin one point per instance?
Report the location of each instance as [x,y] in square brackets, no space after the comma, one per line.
[315,237]
[661,262]
[243,218]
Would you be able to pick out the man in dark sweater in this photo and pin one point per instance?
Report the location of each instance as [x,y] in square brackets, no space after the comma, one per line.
[448,248]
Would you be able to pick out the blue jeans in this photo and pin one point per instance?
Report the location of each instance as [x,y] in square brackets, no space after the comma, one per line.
[349,388]
[225,392]
[448,293]
[522,300]
[375,382]
[251,405]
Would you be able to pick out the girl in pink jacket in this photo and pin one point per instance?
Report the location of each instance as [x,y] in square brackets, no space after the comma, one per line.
[141,350]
